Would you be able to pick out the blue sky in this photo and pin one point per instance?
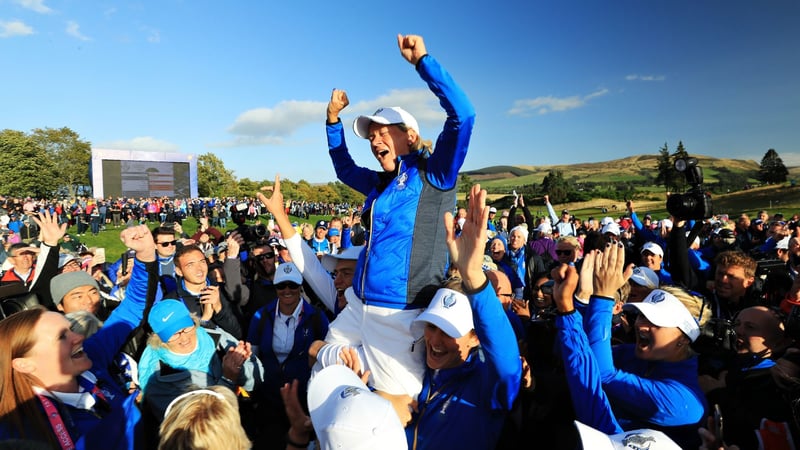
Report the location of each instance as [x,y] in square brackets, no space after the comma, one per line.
[552,82]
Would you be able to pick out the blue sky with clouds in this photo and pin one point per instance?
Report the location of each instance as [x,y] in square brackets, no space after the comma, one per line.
[552,82]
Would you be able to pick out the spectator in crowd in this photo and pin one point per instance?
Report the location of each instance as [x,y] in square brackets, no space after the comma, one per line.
[525,217]
[281,333]
[472,378]
[755,410]
[203,419]
[734,275]
[320,242]
[316,272]
[201,295]
[652,257]
[55,386]
[181,355]
[415,180]
[249,275]
[653,382]
[166,245]
[564,225]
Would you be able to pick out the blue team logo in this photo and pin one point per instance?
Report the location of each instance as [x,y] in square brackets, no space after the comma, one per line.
[287,270]
[449,300]
[350,391]
[657,297]
[637,441]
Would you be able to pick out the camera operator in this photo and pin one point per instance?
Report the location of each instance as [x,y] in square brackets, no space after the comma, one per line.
[754,408]
[249,274]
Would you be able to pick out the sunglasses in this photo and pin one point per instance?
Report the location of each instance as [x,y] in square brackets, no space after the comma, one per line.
[546,288]
[287,284]
[564,252]
[264,256]
[167,244]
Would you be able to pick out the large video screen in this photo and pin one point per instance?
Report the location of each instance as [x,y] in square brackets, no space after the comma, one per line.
[119,173]
[145,179]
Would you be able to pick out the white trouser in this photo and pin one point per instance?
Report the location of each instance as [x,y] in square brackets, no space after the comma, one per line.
[384,340]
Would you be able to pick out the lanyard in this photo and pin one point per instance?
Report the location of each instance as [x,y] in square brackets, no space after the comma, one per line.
[60,430]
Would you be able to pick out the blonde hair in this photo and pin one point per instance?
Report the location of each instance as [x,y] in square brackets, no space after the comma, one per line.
[697,306]
[571,240]
[204,421]
[420,143]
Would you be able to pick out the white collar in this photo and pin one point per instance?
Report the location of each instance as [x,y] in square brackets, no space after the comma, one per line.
[81,399]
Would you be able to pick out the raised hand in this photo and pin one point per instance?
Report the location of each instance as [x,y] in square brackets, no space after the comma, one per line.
[338,102]
[566,279]
[274,203]
[49,230]
[140,240]
[466,251]
[412,47]
[609,270]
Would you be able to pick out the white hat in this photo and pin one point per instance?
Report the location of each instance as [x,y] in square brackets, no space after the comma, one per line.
[653,248]
[385,116]
[665,223]
[4,219]
[783,244]
[287,272]
[663,309]
[645,276]
[545,228]
[593,439]
[329,261]
[612,228]
[64,258]
[606,220]
[345,414]
[450,311]
[521,229]
[492,209]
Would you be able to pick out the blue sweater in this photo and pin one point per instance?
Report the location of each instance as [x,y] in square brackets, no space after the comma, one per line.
[464,407]
[410,204]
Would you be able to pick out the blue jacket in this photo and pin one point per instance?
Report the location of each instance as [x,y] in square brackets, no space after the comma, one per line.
[465,407]
[118,428]
[410,204]
[313,325]
[612,390]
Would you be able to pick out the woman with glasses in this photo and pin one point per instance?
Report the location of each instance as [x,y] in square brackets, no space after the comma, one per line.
[568,250]
[281,333]
[182,355]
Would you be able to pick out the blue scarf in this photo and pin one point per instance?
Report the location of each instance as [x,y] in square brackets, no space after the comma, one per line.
[199,359]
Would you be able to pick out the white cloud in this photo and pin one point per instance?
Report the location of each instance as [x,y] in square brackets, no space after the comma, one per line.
[74,30]
[545,105]
[271,126]
[34,5]
[637,77]
[143,143]
[15,28]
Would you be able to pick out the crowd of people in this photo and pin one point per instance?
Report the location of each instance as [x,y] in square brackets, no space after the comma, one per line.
[402,323]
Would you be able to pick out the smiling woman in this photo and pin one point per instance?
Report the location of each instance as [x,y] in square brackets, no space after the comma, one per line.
[55,385]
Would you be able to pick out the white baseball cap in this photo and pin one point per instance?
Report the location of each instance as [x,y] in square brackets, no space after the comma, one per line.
[345,414]
[653,248]
[287,272]
[612,228]
[384,116]
[545,228]
[645,276]
[329,261]
[593,439]
[663,309]
[450,311]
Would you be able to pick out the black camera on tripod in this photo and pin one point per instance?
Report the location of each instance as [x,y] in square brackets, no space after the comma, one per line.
[694,204]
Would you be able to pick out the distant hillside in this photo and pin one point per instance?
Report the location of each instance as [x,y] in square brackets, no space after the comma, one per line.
[633,168]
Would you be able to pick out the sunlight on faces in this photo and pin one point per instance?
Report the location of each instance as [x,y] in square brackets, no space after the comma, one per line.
[542,299]
[497,249]
[23,261]
[265,265]
[651,260]
[169,250]
[57,357]
[758,330]
[193,267]
[343,275]
[445,352]
[288,296]
[566,253]
[731,283]
[388,142]
[82,298]
[183,342]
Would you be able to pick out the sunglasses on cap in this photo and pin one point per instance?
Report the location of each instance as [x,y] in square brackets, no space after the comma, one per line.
[167,244]
[287,284]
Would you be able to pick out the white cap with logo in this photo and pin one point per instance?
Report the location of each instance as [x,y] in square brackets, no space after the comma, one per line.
[384,116]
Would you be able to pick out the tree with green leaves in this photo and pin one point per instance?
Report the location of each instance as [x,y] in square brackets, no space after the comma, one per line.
[556,186]
[772,169]
[213,179]
[70,157]
[665,169]
[24,167]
